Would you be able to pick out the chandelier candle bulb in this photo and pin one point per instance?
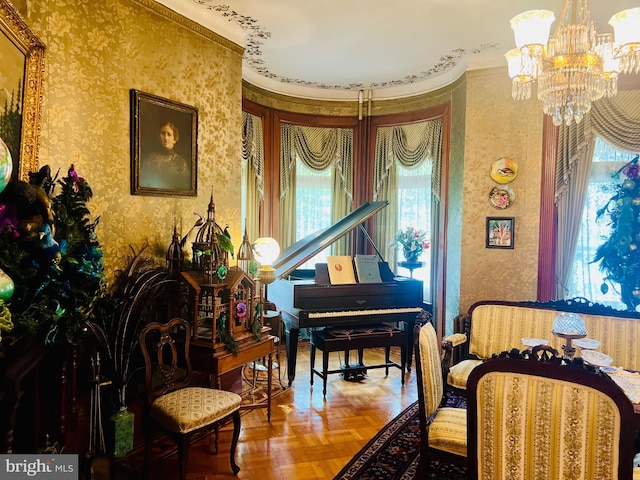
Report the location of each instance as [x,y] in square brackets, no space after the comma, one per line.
[627,34]
[532,27]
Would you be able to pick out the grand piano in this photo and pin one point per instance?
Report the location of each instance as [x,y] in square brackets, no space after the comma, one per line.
[309,300]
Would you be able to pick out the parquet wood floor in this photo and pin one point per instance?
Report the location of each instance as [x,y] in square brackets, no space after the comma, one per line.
[309,437]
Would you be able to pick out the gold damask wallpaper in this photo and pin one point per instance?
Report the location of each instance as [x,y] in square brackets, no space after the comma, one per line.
[96,51]
[498,126]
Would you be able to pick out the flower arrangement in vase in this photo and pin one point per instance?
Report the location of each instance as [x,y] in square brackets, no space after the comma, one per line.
[413,242]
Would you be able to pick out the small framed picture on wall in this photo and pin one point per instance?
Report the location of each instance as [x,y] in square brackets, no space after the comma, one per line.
[500,232]
[164,138]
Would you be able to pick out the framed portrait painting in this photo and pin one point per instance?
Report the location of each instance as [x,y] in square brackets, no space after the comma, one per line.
[164,137]
[500,232]
[22,60]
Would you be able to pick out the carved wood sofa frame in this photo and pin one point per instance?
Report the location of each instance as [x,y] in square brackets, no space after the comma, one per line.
[493,326]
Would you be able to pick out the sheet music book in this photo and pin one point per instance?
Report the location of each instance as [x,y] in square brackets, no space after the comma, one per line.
[322,274]
[341,269]
[368,268]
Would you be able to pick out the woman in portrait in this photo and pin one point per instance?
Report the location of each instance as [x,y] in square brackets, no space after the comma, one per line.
[164,167]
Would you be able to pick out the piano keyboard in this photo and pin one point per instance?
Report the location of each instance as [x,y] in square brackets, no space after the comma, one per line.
[355,313]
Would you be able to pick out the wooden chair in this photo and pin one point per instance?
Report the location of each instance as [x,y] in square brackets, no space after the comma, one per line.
[534,417]
[179,409]
[442,429]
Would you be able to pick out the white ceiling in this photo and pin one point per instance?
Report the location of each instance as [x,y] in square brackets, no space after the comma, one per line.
[331,49]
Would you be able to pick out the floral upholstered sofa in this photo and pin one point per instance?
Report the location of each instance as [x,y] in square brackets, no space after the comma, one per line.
[491,327]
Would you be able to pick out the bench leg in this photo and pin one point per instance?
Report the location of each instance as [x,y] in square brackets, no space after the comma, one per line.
[312,362]
[403,361]
[325,369]
[387,359]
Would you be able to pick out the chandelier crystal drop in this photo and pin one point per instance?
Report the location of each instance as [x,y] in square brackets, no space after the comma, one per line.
[576,66]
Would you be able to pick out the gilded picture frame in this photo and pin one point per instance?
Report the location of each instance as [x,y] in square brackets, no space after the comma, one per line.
[164,137]
[22,55]
[500,232]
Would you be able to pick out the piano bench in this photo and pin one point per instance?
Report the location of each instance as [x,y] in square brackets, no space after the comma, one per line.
[335,339]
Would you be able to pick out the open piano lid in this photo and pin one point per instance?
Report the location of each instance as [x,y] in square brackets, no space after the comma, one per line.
[301,251]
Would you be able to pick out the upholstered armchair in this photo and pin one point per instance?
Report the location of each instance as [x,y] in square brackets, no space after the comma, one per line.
[442,429]
[533,417]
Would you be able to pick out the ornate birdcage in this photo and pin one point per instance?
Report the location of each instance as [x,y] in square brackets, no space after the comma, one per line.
[246,260]
[175,254]
[208,256]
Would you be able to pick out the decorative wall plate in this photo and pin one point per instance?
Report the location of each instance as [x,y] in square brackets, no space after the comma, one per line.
[501,197]
[504,170]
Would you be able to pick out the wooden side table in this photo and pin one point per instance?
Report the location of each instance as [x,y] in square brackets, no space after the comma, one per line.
[411,266]
[216,364]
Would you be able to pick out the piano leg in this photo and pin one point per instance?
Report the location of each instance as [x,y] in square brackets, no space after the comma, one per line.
[291,334]
[408,354]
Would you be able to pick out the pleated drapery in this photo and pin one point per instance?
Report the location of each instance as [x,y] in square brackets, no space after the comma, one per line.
[617,121]
[409,146]
[319,148]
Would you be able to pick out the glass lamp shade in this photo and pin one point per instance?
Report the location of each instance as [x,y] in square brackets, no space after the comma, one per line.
[532,27]
[266,250]
[625,25]
[604,49]
[569,325]
[514,62]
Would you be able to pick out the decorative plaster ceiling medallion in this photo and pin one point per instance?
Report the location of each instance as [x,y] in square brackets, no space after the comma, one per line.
[257,35]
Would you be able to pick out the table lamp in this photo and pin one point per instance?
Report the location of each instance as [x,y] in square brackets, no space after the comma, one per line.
[569,326]
[266,251]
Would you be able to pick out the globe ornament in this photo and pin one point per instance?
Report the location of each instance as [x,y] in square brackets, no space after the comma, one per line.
[628,184]
[6,165]
[6,286]
[636,292]
[636,201]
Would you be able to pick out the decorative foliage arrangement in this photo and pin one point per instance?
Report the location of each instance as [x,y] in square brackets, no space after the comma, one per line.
[413,242]
[619,255]
[49,248]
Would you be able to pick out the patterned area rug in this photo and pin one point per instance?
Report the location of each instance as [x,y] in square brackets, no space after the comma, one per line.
[394,452]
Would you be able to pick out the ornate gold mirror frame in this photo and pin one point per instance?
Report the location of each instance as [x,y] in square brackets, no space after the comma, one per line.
[19,38]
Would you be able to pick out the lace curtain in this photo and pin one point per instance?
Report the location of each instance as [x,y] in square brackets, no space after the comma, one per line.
[409,146]
[319,148]
[617,121]
[253,161]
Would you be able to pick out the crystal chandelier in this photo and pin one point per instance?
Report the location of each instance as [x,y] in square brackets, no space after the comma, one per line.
[576,66]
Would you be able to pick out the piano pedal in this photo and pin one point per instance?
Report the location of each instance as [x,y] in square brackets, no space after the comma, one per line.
[351,374]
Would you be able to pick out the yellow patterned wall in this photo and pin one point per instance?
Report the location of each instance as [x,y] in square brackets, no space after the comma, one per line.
[498,126]
[96,51]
